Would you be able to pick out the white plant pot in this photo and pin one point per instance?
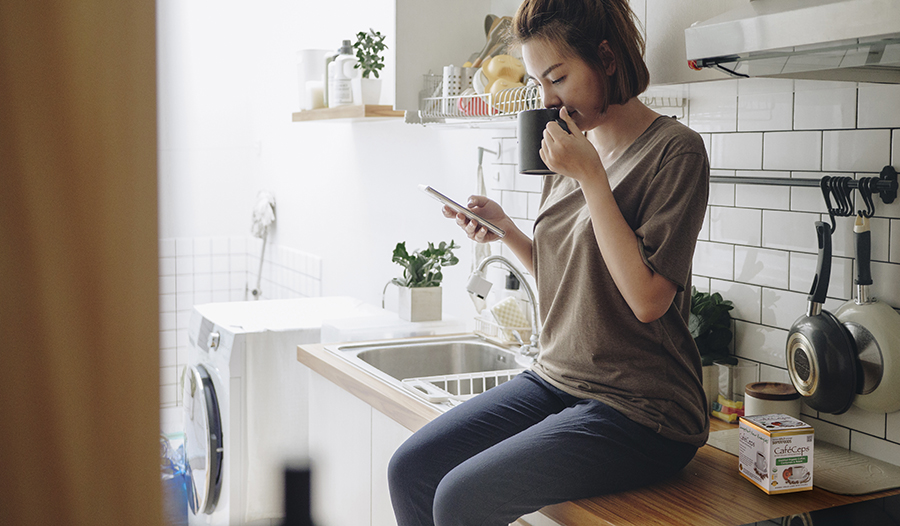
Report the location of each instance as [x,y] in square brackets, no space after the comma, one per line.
[420,303]
[369,90]
[711,383]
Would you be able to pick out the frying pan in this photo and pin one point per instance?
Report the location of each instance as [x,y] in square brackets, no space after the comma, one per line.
[821,355]
[875,327]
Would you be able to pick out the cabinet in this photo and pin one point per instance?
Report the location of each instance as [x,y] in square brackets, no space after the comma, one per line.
[350,445]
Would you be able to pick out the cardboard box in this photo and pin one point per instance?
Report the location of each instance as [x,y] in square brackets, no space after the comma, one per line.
[776,453]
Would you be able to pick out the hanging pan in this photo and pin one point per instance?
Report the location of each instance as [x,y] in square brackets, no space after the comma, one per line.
[875,327]
[821,354]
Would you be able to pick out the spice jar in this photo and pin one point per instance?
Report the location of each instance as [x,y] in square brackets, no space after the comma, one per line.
[765,398]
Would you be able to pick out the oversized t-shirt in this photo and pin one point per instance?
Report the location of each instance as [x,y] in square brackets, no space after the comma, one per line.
[592,345]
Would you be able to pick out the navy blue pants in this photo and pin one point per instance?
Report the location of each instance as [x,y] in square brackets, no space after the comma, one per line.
[519,447]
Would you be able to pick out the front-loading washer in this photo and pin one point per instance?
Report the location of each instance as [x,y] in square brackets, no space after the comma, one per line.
[245,403]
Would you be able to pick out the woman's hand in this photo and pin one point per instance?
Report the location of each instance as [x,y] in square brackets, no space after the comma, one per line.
[569,154]
[485,208]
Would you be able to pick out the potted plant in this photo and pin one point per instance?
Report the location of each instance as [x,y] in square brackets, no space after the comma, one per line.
[710,326]
[420,284]
[369,53]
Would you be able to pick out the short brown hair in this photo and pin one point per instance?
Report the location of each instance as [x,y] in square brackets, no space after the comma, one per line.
[578,27]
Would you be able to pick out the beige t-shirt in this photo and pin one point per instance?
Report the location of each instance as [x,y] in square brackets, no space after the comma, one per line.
[592,345]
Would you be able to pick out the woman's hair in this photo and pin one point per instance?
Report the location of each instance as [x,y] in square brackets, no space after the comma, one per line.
[578,27]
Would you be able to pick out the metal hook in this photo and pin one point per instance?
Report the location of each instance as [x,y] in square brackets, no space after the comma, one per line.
[825,185]
[866,189]
[846,195]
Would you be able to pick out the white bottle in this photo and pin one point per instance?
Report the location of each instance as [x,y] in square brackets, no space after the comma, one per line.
[341,71]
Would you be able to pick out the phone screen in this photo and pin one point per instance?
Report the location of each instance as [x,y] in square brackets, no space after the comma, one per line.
[462,210]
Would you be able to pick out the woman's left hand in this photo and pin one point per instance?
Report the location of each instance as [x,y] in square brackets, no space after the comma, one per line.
[569,154]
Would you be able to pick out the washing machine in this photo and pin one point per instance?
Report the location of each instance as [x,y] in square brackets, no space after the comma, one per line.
[245,403]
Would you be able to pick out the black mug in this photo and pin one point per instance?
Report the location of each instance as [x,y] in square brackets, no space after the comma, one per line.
[531,125]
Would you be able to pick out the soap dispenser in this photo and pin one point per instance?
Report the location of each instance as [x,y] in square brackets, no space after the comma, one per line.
[341,70]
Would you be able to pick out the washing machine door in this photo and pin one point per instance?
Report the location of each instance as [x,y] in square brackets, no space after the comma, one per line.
[202,440]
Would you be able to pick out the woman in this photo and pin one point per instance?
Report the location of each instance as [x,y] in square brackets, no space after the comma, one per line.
[614,400]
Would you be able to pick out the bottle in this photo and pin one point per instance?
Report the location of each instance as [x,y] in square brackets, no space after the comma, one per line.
[341,71]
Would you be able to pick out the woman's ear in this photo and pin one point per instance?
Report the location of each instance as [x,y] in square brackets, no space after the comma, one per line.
[607,58]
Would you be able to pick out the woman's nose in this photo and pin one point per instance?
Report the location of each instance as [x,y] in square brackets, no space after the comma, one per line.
[550,99]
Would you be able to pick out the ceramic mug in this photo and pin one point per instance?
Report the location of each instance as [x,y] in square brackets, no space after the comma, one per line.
[531,125]
[798,473]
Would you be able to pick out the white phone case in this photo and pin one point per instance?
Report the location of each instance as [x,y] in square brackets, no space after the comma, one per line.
[462,210]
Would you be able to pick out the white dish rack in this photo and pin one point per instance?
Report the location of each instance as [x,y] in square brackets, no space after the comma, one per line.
[456,388]
[439,105]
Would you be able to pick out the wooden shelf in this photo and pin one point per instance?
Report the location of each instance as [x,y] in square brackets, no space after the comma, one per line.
[346,112]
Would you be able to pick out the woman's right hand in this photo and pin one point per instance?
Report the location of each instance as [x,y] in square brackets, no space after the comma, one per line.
[485,208]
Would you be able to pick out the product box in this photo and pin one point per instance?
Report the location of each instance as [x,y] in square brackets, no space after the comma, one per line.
[776,453]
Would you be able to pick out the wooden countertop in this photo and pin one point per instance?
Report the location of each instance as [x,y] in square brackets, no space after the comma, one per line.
[709,491]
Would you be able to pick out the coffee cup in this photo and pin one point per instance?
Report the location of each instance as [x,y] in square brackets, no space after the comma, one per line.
[531,125]
[798,473]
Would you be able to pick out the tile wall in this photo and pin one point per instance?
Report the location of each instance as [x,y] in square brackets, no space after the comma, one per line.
[199,270]
[757,246]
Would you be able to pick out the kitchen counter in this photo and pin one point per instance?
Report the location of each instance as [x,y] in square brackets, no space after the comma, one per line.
[709,491]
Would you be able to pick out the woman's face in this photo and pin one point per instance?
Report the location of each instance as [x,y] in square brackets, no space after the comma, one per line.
[567,81]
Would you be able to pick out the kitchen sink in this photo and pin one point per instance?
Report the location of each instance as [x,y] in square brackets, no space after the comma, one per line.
[436,368]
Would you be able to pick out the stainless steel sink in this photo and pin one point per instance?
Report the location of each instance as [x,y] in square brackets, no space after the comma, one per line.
[435,360]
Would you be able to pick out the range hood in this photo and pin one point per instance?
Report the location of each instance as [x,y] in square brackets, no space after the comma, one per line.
[852,40]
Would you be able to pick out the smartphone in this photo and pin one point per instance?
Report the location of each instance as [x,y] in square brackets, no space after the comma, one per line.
[499,232]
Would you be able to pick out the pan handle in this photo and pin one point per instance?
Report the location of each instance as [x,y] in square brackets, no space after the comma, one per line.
[819,289]
[863,250]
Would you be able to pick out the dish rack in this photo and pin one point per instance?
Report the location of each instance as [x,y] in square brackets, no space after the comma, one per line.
[503,335]
[457,387]
[451,99]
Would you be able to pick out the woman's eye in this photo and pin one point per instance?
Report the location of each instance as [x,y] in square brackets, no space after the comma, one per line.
[557,81]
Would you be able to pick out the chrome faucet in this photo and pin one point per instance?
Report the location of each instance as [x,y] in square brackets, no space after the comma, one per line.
[478,288]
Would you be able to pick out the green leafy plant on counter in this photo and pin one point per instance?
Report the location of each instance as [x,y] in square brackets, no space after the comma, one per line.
[423,268]
[710,325]
[368,48]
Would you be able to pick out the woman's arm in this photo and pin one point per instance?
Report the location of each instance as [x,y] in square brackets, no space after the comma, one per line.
[647,293]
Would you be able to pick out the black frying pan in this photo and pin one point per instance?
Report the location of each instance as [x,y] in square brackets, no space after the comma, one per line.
[821,355]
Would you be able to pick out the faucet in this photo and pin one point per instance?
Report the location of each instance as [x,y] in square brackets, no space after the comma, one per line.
[478,288]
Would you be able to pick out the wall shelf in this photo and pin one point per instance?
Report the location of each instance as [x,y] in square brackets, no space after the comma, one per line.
[347,112]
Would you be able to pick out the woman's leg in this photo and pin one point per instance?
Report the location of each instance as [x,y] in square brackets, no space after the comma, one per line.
[586,450]
[466,430]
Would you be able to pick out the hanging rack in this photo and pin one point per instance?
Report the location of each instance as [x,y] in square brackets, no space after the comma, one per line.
[885,186]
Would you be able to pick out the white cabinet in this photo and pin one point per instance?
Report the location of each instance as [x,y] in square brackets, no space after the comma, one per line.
[350,445]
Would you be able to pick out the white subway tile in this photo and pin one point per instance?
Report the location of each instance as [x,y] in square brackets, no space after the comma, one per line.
[843,241]
[712,106]
[167,285]
[792,151]
[237,245]
[219,263]
[704,228]
[184,301]
[715,260]
[879,105]
[757,266]
[893,426]
[167,395]
[759,343]
[803,269]
[184,246]
[167,322]
[202,264]
[203,282]
[824,105]
[219,245]
[238,263]
[856,150]
[856,418]
[701,283]
[167,376]
[746,299]
[789,230]
[830,433]
[887,283]
[220,296]
[707,143]
[167,355]
[736,151]
[167,247]
[167,303]
[765,104]
[895,241]
[167,267]
[184,284]
[202,246]
[807,199]
[184,265]
[875,448]
[780,308]
[721,194]
[202,296]
[761,196]
[501,177]
[735,225]
[769,373]
[529,183]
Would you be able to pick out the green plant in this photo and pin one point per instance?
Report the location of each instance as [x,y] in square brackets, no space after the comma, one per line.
[423,268]
[710,325]
[368,51]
